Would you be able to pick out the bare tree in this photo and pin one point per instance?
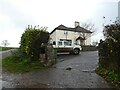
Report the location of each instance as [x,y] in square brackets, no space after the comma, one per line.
[90,27]
[5,43]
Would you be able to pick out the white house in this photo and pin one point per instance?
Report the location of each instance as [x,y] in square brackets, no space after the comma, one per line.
[76,35]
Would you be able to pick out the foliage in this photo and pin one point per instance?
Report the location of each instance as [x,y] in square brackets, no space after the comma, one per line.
[25,58]
[109,58]
[18,56]
[110,48]
[12,65]
[113,31]
[6,48]
[110,75]
[31,41]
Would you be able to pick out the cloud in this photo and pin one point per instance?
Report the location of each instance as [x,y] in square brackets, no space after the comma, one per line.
[17,17]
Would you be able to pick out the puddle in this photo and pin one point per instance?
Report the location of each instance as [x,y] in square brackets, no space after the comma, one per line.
[69,68]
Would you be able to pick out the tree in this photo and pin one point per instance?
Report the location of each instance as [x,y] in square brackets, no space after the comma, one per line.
[5,43]
[112,31]
[90,27]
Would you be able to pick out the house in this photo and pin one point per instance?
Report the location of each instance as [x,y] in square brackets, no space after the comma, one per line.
[76,35]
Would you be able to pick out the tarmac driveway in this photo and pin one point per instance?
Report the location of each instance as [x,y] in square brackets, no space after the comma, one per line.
[71,71]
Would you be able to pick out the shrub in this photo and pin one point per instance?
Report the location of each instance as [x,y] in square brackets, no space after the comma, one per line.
[109,50]
[31,41]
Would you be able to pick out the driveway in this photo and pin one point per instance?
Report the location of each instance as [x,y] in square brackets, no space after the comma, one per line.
[4,54]
[71,71]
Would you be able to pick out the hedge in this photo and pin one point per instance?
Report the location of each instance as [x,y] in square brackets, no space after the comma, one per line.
[31,41]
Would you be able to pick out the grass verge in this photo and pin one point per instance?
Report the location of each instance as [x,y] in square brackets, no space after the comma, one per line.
[6,48]
[23,66]
[112,77]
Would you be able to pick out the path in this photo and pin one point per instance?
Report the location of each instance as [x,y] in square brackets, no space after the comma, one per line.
[81,75]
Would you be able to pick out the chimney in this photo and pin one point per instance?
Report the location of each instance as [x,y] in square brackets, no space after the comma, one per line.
[77,24]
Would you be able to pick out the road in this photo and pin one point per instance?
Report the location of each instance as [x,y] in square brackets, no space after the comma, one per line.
[81,74]
[4,54]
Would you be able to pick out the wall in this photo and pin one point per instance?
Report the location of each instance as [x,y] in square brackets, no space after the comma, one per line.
[88,40]
[59,34]
[53,36]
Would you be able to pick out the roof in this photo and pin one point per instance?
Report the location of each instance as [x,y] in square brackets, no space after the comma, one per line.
[76,29]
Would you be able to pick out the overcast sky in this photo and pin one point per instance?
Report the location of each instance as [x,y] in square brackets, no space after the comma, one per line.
[15,15]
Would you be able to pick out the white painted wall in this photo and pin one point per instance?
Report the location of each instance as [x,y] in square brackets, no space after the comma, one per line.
[59,34]
[88,40]
[53,36]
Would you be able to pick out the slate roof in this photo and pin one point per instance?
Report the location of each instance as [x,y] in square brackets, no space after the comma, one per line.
[76,29]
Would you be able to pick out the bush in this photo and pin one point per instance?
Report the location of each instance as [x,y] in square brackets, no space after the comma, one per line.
[110,75]
[31,41]
[109,50]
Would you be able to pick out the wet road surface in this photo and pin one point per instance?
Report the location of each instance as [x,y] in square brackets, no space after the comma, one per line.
[4,54]
[71,71]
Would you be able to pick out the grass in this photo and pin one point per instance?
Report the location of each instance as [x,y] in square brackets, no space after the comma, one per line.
[19,63]
[110,75]
[23,66]
[6,48]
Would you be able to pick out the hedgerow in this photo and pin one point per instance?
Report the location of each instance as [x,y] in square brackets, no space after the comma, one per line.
[109,53]
[31,41]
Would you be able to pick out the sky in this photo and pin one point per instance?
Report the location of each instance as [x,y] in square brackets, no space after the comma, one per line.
[16,15]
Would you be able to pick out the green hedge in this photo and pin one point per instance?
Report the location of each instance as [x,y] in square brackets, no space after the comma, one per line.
[109,53]
[31,41]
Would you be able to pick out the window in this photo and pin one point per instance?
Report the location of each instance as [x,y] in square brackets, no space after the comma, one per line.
[59,43]
[54,43]
[66,32]
[67,43]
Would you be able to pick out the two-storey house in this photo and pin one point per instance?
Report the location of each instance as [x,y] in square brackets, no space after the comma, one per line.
[76,35]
